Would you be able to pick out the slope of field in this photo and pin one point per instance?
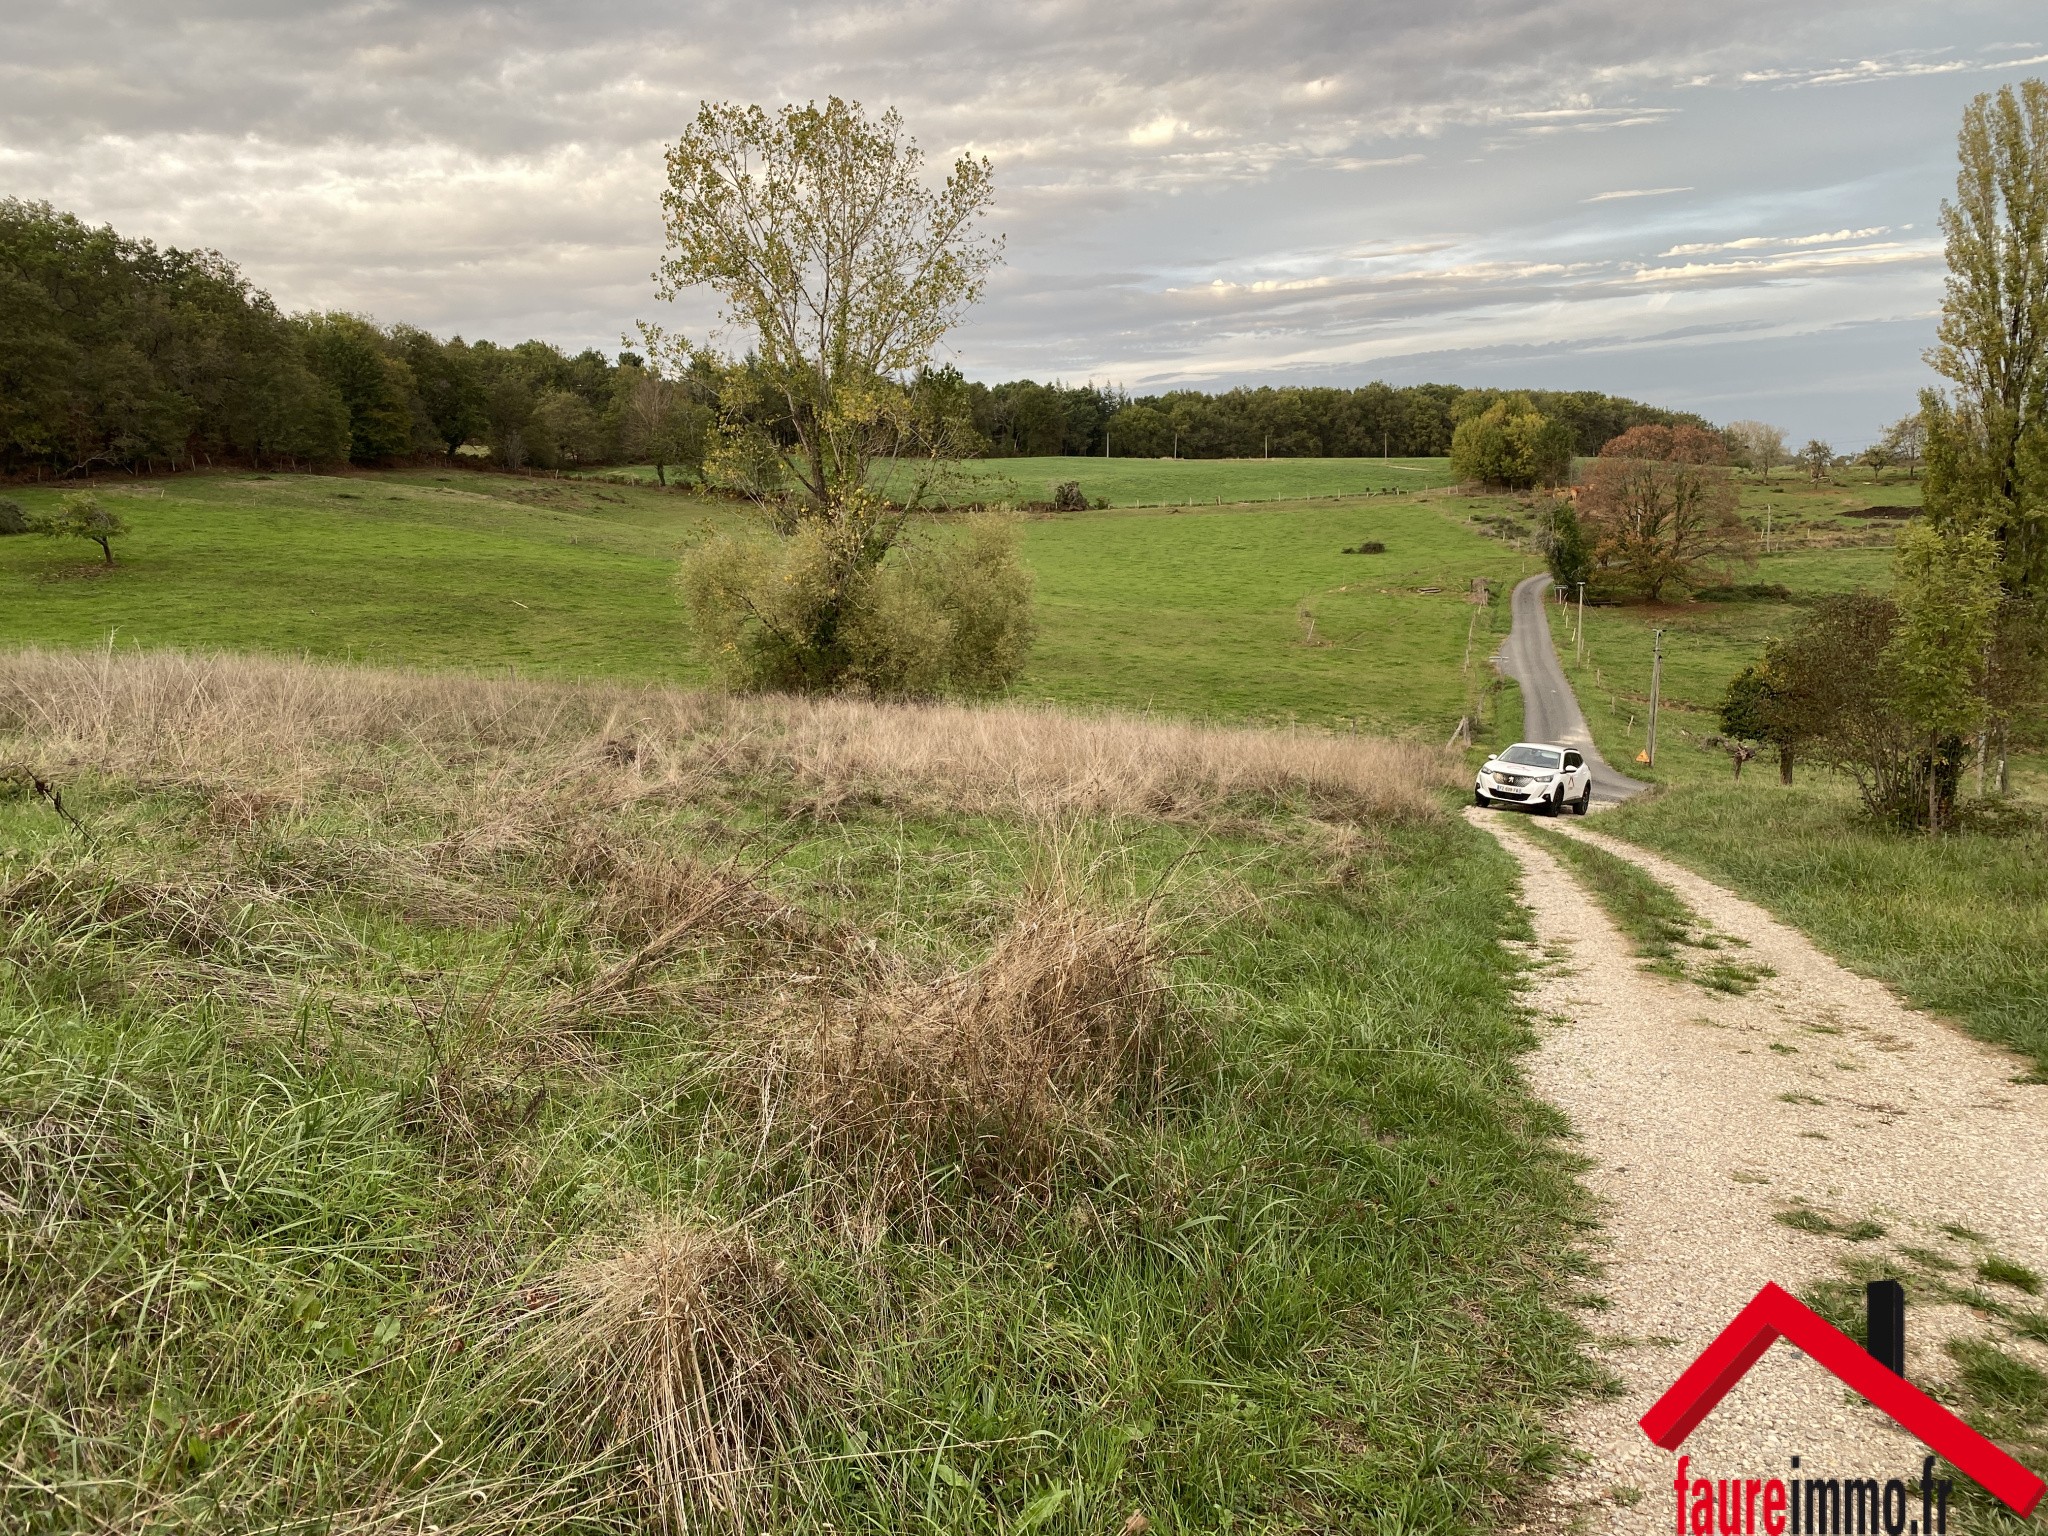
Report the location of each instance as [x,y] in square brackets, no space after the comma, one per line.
[494,1107]
[1251,613]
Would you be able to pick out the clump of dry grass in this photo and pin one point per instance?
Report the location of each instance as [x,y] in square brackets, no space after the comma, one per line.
[641,889]
[276,725]
[688,1352]
[994,1076]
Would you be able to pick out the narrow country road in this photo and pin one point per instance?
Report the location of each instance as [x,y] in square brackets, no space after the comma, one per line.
[1550,711]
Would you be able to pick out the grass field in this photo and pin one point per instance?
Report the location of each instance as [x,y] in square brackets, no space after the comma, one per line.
[1204,613]
[413,1085]
[1166,482]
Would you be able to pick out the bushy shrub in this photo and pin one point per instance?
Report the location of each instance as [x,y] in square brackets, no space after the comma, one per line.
[803,612]
[12,518]
[1513,444]
[1067,497]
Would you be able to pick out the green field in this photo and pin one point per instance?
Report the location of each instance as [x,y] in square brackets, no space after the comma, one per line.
[1204,613]
[1163,482]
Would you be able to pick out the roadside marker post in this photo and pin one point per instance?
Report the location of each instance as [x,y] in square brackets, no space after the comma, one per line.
[1656,681]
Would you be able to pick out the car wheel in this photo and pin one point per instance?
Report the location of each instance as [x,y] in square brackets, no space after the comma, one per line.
[1584,803]
[1478,799]
[1554,805]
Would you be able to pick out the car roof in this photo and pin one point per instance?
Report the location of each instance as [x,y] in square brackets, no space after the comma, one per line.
[1548,746]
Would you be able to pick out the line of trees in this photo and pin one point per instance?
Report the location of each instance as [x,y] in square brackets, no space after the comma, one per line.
[115,354]
[1413,421]
[118,354]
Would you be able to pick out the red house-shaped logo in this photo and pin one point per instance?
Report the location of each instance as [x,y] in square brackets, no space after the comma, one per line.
[1775,1314]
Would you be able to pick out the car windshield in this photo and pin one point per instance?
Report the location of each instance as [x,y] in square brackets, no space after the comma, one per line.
[1532,757]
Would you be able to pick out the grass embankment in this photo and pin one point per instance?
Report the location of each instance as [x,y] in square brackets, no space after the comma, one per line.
[1657,922]
[1249,614]
[504,1106]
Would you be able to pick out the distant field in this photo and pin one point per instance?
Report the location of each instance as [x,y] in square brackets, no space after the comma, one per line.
[1209,613]
[1174,482]
[1251,613]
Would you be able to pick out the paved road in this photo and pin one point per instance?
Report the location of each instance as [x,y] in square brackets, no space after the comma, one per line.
[1550,711]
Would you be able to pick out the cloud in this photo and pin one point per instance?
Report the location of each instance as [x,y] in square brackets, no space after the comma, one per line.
[1757,242]
[1898,66]
[1615,197]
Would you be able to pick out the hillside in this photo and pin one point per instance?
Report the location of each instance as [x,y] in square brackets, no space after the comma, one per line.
[1245,611]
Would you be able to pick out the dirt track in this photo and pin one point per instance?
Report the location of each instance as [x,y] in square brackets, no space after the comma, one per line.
[1706,1116]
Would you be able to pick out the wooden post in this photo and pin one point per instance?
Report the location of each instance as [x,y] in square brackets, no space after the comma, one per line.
[1656,683]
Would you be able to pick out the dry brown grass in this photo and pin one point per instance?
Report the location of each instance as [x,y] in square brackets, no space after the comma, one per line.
[885,1097]
[688,1352]
[275,727]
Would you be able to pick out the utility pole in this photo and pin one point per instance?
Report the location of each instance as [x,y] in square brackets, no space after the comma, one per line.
[1384,455]
[1579,630]
[1656,684]
[1269,445]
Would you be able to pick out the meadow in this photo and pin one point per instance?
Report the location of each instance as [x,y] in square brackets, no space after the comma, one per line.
[1250,612]
[1162,482]
[484,1106]
[445,1039]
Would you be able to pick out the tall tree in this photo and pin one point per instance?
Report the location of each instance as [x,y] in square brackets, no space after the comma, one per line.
[1987,451]
[815,229]
[1762,445]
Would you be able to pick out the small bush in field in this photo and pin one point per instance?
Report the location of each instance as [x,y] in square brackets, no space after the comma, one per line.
[1067,497]
[1366,547]
[12,518]
[794,613]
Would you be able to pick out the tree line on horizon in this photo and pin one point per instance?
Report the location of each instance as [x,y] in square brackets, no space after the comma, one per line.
[118,354]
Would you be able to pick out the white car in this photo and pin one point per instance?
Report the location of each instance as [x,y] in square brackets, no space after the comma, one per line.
[1534,774]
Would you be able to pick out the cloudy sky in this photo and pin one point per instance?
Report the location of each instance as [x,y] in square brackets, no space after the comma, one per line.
[1728,207]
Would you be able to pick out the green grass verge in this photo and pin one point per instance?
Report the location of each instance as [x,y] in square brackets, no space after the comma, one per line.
[1657,922]
[303,1142]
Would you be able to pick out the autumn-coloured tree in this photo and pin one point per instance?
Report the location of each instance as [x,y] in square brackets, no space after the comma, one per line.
[1658,509]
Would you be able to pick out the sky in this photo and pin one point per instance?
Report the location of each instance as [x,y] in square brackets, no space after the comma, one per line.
[1728,208]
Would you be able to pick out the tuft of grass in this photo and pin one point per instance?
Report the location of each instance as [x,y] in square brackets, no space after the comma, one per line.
[690,1354]
[986,1081]
[1660,926]
[1803,1218]
[2006,1272]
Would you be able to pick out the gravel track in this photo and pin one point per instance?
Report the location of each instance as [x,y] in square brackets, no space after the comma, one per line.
[1703,1117]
